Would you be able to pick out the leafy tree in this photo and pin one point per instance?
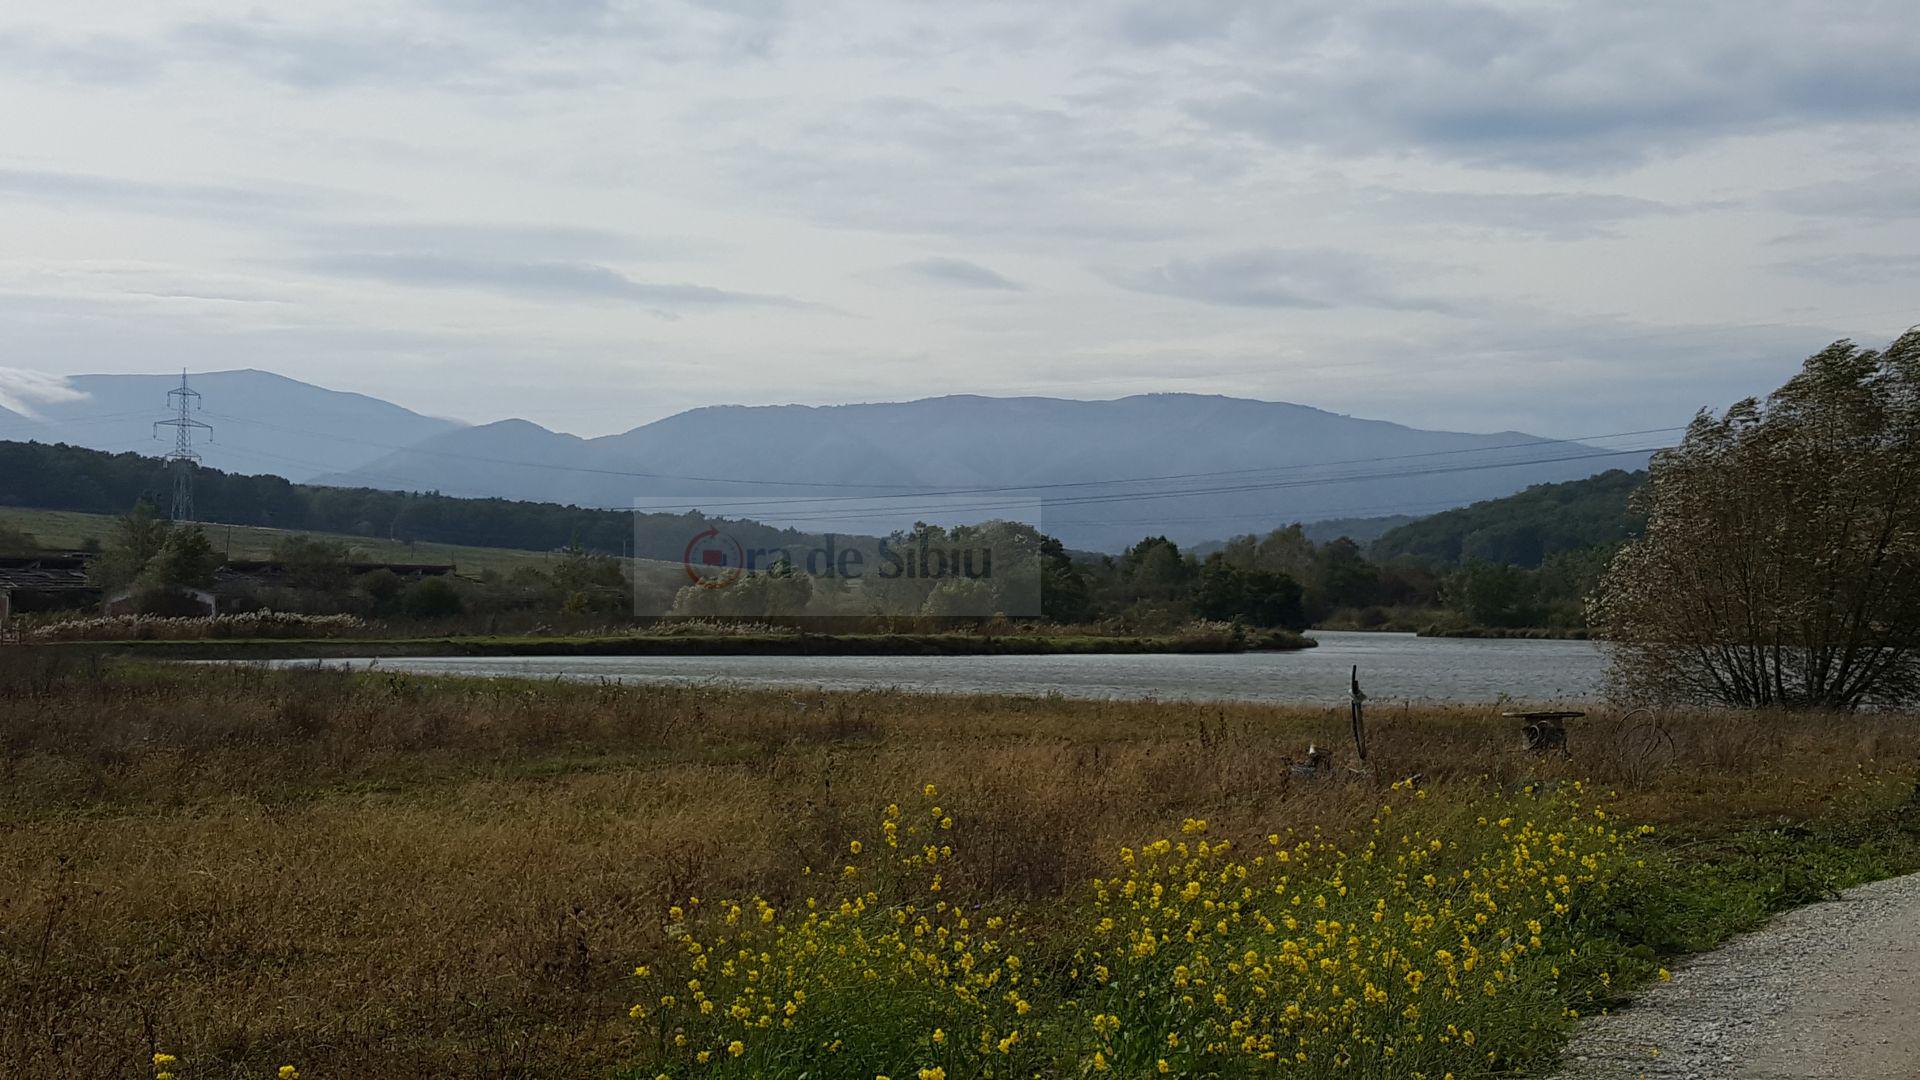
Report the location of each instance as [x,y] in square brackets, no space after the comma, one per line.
[1287,550]
[1781,561]
[1409,583]
[1495,594]
[136,538]
[1064,597]
[894,585]
[1009,560]
[186,560]
[313,563]
[960,597]
[1566,580]
[778,591]
[589,582]
[1154,570]
[1342,577]
[1262,598]
[382,586]
[432,598]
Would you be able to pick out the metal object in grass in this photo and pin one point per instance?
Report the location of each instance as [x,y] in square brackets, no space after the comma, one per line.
[1645,743]
[1318,766]
[1544,731]
[1359,716]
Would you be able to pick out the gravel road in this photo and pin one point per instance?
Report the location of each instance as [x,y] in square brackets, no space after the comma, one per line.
[1825,992]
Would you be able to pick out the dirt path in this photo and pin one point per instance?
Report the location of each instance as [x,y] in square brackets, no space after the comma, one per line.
[1826,992]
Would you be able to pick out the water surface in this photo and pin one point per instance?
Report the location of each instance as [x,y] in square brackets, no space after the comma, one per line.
[1393,667]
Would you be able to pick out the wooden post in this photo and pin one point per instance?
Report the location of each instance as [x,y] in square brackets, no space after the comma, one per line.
[1359,716]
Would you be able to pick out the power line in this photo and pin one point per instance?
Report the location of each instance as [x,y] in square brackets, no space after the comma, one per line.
[95,418]
[862,512]
[1357,512]
[1296,467]
[869,513]
[899,512]
[549,465]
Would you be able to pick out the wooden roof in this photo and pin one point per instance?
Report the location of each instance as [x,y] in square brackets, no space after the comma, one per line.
[44,573]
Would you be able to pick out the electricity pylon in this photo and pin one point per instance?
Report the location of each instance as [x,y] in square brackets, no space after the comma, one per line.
[180,401]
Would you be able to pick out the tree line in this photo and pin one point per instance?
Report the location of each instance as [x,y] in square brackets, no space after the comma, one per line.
[61,477]
[1429,573]
[1284,579]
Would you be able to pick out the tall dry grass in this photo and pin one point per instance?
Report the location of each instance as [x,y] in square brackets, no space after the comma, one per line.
[378,875]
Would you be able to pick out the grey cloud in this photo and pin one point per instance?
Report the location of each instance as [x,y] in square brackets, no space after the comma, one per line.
[1561,375]
[160,196]
[1554,215]
[1277,278]
[548,16]
[83,332]
[315,60]
[904,165]
[1856,269]
[263,47]
[567,280]
[948,271]
[1632,370]
[1886,196]
[1204,23]
[98,58]
[300,210]
[1155,24]
[661,30]
[465,45]
[1563,88]
[509,241]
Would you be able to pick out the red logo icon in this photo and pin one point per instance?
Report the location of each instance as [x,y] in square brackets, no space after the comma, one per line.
[714,560]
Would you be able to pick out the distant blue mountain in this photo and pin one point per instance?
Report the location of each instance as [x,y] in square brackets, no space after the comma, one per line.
[262,422]
[1190,466]
[1223,465]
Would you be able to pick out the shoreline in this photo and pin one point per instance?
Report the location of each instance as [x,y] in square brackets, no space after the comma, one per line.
[709,645]
[1512,633]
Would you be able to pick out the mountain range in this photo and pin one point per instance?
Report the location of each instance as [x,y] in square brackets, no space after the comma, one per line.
[1098,474]
[261,422]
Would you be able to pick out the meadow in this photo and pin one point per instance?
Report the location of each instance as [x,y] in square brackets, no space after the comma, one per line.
[377,875]
[69,530]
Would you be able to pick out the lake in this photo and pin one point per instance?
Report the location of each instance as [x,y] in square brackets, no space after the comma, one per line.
[1393,667]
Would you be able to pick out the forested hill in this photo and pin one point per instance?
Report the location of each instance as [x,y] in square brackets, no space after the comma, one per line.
[1526,528]
[60,477]
[1520,529]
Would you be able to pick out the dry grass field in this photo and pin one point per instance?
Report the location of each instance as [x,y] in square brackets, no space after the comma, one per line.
[385,876]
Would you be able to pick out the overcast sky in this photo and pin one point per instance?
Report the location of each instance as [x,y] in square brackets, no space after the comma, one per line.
[1569,219]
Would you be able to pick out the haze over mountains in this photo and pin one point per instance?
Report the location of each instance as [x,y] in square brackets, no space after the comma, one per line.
[1104,473]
